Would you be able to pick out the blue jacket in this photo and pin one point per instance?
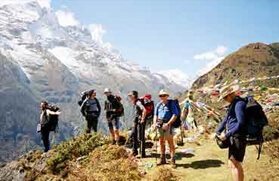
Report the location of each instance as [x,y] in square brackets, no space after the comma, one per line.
[234,122]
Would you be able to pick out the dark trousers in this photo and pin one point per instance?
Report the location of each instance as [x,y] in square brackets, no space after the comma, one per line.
[142,138]
[45,137]
[91,123]
[135,137]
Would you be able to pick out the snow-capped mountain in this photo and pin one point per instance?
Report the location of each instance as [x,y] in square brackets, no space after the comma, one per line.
[40,59]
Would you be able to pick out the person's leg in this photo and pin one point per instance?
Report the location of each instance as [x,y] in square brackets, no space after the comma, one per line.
[172,147]
[45,139]
[236,169]
[135,138]
[95,124]
[142,139]
[116,130]
[162,147]
[111,131]
[88,125]
[236,156]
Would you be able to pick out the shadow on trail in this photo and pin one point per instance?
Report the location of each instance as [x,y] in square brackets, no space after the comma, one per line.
[202,164]
[178,156]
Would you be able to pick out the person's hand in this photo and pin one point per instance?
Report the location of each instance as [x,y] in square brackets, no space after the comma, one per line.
[142,121]
[154,126]
[213,136]
[222,137]
[58,113]
[165,126]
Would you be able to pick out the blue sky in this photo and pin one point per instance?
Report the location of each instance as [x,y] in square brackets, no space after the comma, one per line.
[178,34]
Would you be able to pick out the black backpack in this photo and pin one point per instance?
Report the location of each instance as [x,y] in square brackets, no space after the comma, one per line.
[83,96]
[177,122]
[256,120]
[52,120]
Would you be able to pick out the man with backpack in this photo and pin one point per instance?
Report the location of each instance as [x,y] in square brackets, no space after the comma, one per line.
[139,114]
[166,113]
[114,110]
[45,124]
[91,110]
[235,133]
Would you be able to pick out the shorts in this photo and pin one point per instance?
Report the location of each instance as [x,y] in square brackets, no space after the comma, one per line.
[113,123]
[237,148]
[165,133]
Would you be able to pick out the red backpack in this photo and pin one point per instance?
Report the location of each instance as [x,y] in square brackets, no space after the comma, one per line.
[148,105]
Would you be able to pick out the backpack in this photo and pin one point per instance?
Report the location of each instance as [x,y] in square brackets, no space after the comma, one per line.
[120,110]
[52,120]
[83,96]
[256,120]
[177,122]
[149,107]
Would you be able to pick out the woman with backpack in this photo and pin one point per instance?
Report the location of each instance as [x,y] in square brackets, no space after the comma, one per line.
[44,123]
[166,112]
[91,110]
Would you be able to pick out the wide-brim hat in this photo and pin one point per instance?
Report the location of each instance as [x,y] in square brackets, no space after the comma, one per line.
[107,90]
[163,92]
[228,90]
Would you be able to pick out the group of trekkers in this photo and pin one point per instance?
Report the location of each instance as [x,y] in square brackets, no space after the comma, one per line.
[231,134]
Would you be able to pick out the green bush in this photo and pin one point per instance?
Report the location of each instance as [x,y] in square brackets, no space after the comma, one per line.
[72,149]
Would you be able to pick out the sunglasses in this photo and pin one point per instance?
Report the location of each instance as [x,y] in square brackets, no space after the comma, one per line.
[163,95]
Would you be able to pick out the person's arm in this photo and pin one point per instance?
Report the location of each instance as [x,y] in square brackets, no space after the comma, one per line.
[142,108]
[49,112]
[155,118]
[240,117]
[221,128]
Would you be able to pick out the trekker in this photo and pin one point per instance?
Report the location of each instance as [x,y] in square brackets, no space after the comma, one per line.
[235,130]
[112,106]
[91,110]
[44,124]
[165,115]
[139,114]
[188,111]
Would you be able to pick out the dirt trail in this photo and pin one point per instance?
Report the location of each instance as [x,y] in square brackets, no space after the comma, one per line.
[208,162]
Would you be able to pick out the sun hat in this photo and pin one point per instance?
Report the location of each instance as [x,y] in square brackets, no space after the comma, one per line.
[107,90]
[225,91]
[163,92]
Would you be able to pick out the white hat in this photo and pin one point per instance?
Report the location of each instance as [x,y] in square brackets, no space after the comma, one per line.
[107,90]
[163,92]
[225,91]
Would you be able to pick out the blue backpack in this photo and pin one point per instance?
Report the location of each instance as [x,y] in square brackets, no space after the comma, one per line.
[177,122]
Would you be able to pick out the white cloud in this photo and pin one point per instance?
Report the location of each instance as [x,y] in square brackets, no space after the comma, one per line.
[221,50]
[45,3]
[66,18]
[214,57]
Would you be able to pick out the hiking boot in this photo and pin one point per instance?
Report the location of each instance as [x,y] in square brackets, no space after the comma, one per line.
[113,142]
[173,165]
[135,153]
[163,160]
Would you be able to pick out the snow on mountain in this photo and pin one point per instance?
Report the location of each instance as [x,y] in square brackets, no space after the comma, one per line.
[177,76]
